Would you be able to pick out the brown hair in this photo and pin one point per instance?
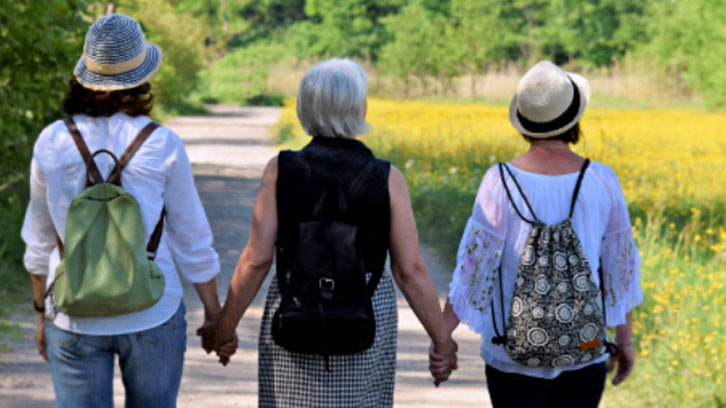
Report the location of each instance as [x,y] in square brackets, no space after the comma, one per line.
[570,136]
[133,102]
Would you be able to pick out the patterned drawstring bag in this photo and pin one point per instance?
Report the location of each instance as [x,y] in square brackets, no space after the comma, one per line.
[557,316]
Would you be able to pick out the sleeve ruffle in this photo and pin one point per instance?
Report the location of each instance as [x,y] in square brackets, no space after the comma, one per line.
[475,276]
[621,274]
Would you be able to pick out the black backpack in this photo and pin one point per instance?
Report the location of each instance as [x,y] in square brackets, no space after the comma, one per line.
[326,304]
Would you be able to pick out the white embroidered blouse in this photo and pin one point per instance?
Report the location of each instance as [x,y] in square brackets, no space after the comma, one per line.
[495,236]
[159,175]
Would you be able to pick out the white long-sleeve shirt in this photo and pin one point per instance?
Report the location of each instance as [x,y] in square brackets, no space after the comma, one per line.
[495,236]
[159,175]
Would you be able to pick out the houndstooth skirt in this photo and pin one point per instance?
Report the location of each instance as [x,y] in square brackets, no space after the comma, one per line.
[365,379]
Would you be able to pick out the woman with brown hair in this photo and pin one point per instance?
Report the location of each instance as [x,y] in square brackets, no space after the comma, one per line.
[108,103]
[547,260]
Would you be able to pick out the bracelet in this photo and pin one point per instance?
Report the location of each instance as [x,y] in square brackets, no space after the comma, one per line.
[39,309]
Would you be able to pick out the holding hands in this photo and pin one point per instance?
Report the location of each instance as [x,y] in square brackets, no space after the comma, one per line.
[215,339]
[443,360]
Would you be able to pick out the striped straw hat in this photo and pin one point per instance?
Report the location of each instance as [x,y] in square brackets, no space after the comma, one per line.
[116,55]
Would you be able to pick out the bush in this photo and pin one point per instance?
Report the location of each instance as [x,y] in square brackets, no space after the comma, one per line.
[181,38]
[240,77]
[39,47]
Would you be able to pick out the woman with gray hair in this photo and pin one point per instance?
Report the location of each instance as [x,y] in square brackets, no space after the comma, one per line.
[331,212]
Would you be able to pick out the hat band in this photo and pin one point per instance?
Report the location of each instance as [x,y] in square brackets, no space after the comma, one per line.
[113,69]
[557,123]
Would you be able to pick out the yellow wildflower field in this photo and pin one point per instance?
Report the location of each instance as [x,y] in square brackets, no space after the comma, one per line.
[672,167]
[671,163]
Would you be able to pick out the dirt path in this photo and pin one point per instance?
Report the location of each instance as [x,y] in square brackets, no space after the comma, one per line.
[228,150]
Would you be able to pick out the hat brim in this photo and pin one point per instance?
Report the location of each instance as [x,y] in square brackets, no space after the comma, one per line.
[124,80]
[585,92]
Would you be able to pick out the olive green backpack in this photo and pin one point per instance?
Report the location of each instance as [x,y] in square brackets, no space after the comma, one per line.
[105,269]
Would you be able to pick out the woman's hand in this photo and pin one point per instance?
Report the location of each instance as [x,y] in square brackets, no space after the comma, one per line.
[624,360]
[442,361]
[40,337]
[626,352]
[227,350]
[212,341]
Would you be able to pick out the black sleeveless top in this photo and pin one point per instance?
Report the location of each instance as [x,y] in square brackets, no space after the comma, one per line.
[334,161]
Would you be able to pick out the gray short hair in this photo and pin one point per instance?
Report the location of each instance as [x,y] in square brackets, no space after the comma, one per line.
[331,97]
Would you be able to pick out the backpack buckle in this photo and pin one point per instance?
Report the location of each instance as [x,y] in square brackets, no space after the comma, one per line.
[327,286]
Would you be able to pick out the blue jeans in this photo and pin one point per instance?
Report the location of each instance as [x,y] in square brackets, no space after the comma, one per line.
[151,364]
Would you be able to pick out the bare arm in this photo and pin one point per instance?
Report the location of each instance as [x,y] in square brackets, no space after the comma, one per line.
[450,318]
[625,359]
[256,259]
[38,282]
[207,292]
[409,268]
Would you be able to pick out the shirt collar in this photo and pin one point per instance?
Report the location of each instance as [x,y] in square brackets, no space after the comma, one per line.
[340,143]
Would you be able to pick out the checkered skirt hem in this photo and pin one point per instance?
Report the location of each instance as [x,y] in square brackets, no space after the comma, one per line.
[365,379]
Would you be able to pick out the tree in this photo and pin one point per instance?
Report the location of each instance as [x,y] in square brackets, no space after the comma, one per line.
[688,39]
[475,34]
[350,27]
[421,46]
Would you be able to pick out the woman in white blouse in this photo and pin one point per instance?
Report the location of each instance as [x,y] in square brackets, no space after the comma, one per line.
[108,102]
[546,110]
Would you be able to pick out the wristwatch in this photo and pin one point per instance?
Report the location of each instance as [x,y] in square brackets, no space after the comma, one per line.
[39,309]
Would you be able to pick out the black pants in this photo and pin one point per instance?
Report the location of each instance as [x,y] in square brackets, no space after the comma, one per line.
[579,388]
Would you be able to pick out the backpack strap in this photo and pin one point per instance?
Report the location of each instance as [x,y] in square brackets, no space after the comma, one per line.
[499,338]
[116,166]
[577,186]
[356,186]
[93,176]
[59,243]
[115,176]
[521,192]
[155,239]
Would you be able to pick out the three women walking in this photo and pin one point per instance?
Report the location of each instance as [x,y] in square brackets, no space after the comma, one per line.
[329,215]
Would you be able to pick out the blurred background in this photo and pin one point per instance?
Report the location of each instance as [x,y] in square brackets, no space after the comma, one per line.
[441,74]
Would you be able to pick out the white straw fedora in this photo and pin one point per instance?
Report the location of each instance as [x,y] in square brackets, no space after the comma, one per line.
[116,55]
[549,101]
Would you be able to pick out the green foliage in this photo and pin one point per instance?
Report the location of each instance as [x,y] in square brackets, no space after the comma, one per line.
[593,32]
[241,76]
[417,35]
[13,200]
[688,37]
[349,27]
[443,39]
[39,46]
[181,38]
[438,40]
